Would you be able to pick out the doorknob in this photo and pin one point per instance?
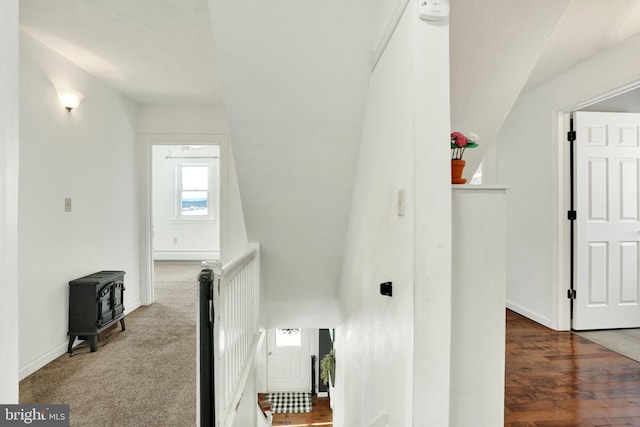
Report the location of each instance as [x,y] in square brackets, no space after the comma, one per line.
[269,354]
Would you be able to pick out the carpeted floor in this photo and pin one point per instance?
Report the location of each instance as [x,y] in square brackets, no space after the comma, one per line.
[623,341]
[144,376]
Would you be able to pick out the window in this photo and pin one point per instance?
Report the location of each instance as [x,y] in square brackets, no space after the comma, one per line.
[193,191]
[288,338]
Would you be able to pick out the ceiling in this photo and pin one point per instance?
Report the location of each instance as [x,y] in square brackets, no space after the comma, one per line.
[586,28]
[162,51]
[295,88]
[154,51]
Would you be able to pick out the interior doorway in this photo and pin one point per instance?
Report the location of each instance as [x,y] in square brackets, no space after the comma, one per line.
[162,143]
[623,99]
[185,202]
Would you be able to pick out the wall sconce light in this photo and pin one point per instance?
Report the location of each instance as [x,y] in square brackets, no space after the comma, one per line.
[69,99]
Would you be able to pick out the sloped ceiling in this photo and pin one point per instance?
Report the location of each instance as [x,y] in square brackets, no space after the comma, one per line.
[494,45]
[499,49]
[586,28]
[294,77]
[154,51]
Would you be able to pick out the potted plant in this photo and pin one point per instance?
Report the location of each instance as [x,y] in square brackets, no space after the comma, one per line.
[459,143]
[328,368]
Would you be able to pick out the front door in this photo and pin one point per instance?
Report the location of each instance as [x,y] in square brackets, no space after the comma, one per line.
[288,360]
[607,256]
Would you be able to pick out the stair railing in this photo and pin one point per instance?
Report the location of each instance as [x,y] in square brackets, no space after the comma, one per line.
[236,330]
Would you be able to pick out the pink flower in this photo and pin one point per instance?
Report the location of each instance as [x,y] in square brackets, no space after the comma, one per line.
[459,139]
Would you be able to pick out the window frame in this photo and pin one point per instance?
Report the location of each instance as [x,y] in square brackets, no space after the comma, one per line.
[211,191]
[279,331]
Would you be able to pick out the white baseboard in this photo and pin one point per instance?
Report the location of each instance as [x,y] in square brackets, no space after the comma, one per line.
[544,321]
[43,360]
[130,308]
[323,394]
[61,349]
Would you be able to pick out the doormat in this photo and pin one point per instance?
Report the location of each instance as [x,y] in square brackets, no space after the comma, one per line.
[289,402]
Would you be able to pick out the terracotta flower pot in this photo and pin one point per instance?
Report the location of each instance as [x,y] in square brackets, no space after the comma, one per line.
[456,171]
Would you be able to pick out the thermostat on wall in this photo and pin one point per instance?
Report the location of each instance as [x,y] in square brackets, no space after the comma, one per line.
[433,10]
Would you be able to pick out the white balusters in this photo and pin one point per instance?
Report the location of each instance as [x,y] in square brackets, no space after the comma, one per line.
[237,305]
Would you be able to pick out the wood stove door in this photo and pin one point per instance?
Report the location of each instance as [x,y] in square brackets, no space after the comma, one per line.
[105,310]
[118,299]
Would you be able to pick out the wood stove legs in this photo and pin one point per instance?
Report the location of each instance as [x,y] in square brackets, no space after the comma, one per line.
[93,340]
[93,343]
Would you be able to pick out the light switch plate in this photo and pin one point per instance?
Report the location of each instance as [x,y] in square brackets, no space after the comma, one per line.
[67,204]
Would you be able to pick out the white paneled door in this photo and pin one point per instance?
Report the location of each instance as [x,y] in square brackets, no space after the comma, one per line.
[607,246]
[288,360]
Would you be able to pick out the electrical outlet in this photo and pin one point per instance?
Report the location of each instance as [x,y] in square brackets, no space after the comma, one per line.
[67,204]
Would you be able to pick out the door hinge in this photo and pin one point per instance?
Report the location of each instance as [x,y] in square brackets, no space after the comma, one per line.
[571,293]
[571,135]
[572,215]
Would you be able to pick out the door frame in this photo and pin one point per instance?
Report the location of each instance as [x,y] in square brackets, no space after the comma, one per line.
[145,143]
[562,228]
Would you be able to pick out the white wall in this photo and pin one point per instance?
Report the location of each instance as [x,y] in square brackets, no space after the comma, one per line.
[9,102]
[233,233]
[532,159]
[524,160]
[247,414]
[88,155]
[182,119]
[175,239]
[392,354]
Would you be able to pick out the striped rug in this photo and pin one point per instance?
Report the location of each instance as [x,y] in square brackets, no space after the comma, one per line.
[289,402]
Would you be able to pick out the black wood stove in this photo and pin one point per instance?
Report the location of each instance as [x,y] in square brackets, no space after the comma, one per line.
[96,302]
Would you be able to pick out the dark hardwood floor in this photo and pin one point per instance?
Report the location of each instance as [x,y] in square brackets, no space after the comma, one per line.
[560,379]
[320,415]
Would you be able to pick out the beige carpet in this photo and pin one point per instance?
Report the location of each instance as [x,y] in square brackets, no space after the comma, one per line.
[144,376]
[623,341]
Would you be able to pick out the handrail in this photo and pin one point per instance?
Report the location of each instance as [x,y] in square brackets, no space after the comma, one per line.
[233,266]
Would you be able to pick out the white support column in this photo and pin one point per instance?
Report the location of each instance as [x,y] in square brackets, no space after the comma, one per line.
[432,295]
[478,305]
